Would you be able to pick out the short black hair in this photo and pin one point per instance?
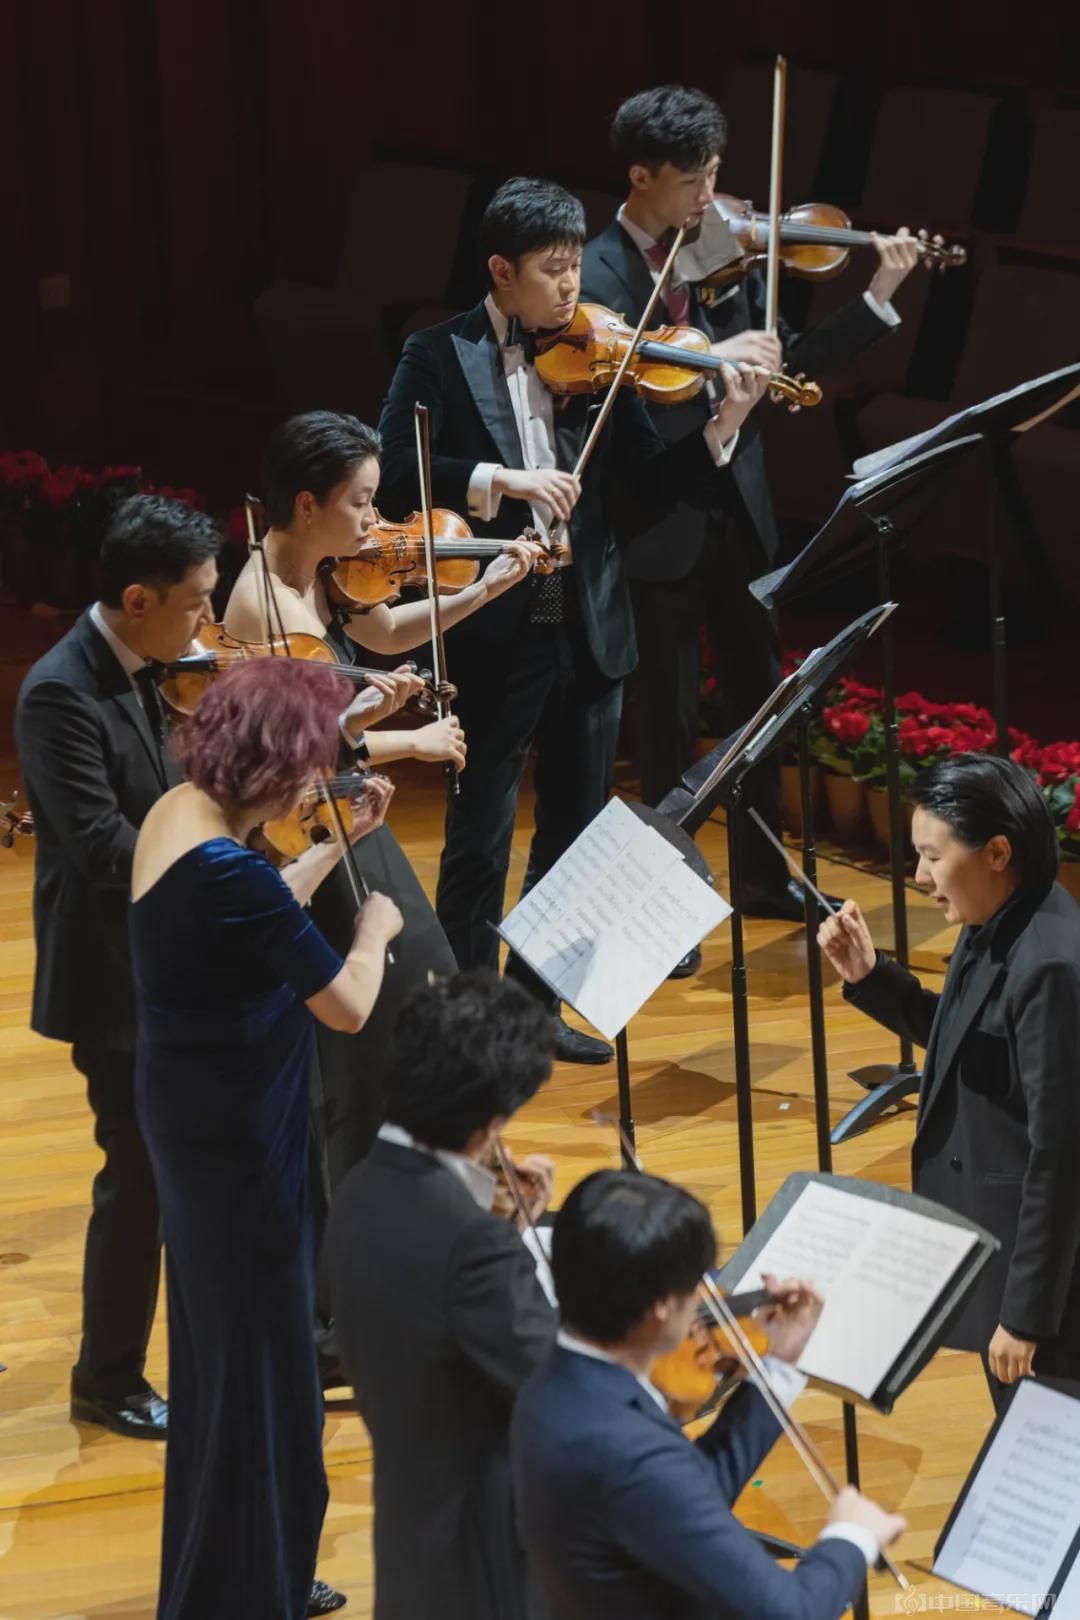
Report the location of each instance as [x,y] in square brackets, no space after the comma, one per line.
[153,540]
[316,451]
[466,1051]
[670,124]
[980,796]
[622,1241]
[528,216]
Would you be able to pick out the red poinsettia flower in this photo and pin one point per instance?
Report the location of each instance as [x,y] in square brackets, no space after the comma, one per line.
[847,725]
[60,487]
[21,470]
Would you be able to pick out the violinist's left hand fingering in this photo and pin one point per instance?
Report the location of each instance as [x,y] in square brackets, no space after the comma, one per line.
[790,1323]
[383,696]
[516,560]
[370,806]
[897,257]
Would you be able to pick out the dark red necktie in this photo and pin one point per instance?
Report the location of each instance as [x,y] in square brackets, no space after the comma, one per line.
[676,299]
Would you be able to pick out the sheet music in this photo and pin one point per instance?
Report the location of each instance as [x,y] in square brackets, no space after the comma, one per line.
[613,916]
[893,454]
[1022,1508]
[880,1268]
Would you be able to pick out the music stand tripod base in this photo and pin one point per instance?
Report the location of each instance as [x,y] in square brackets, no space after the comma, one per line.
[887,1086]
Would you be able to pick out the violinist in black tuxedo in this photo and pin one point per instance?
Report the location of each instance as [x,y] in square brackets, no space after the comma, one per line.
[543,666]
[90,733]
[999,1107]
[690,564]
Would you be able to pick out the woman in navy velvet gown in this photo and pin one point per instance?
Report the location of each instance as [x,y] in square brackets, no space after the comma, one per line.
[230,971]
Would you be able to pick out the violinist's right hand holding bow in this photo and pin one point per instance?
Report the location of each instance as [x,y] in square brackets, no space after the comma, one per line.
[560,491]
[441,740]
[845,940]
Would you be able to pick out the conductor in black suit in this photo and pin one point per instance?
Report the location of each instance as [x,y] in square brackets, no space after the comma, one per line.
[439,1312]
[999,1107]
[90,732]
[690,564]
[543,666]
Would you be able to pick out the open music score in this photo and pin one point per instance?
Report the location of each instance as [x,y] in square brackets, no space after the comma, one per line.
[606,925]
[1013,1536]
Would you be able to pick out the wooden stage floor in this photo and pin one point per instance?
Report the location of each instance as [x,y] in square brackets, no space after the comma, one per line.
[80,1509]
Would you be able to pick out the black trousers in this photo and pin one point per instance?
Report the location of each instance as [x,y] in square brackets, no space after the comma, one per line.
[669,615]
[543,690]
[122,1264]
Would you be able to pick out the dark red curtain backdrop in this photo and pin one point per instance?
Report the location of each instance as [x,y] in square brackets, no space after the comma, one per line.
[162,160]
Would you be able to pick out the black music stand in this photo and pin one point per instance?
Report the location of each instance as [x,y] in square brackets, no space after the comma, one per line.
[870,519]
[719,779]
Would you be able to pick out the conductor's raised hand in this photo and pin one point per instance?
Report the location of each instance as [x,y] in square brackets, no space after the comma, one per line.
[845,940]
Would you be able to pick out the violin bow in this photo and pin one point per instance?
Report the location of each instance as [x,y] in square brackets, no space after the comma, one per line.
[422,426]
[776,186]
[521,1207]
[271,611]
[606,405]
[719,1308]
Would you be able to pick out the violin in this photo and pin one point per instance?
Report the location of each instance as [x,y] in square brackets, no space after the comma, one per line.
[668,364]
[391,556]
[314,819]
[690,1375]
[184,680]
[16,828]
[815,241]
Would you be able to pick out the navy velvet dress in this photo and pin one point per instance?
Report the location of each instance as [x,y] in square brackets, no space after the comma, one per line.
[224,961]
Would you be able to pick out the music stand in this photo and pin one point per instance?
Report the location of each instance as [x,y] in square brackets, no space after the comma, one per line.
[719,779]
[870,519]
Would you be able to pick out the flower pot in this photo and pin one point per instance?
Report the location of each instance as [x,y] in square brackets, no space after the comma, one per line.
[846,800]
[877,802]
[791,799]
[1069,877]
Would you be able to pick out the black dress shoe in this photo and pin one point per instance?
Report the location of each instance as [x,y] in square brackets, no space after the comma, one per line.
[687,965]
[324,1600]
[571,1046]
[139,1417]
[786,905]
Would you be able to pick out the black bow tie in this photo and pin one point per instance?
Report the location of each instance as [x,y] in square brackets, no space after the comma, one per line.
[518,338]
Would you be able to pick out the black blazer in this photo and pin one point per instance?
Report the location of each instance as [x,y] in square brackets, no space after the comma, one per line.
[456,371]
[623,1518]
[92,770]
[440,1319]
[999,1110]
[664,544]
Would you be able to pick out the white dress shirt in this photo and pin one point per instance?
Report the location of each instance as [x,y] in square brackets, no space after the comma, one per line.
[534,416]
[787,1381]
[130,662]
[643,241]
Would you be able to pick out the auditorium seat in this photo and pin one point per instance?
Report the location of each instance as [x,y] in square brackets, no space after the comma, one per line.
[1051,213]
[926,157]
[1025,321]
[747,99]
[335,347]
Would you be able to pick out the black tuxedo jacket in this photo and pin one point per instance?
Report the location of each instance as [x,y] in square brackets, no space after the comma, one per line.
[664,544]
[456,370]
[92,770]
[440,1319]
[999,1110]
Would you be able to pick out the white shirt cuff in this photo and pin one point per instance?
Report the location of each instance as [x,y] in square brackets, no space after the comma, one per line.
[482,503]
[866,1543]
[786,1380]
[884,312]
[720,452]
